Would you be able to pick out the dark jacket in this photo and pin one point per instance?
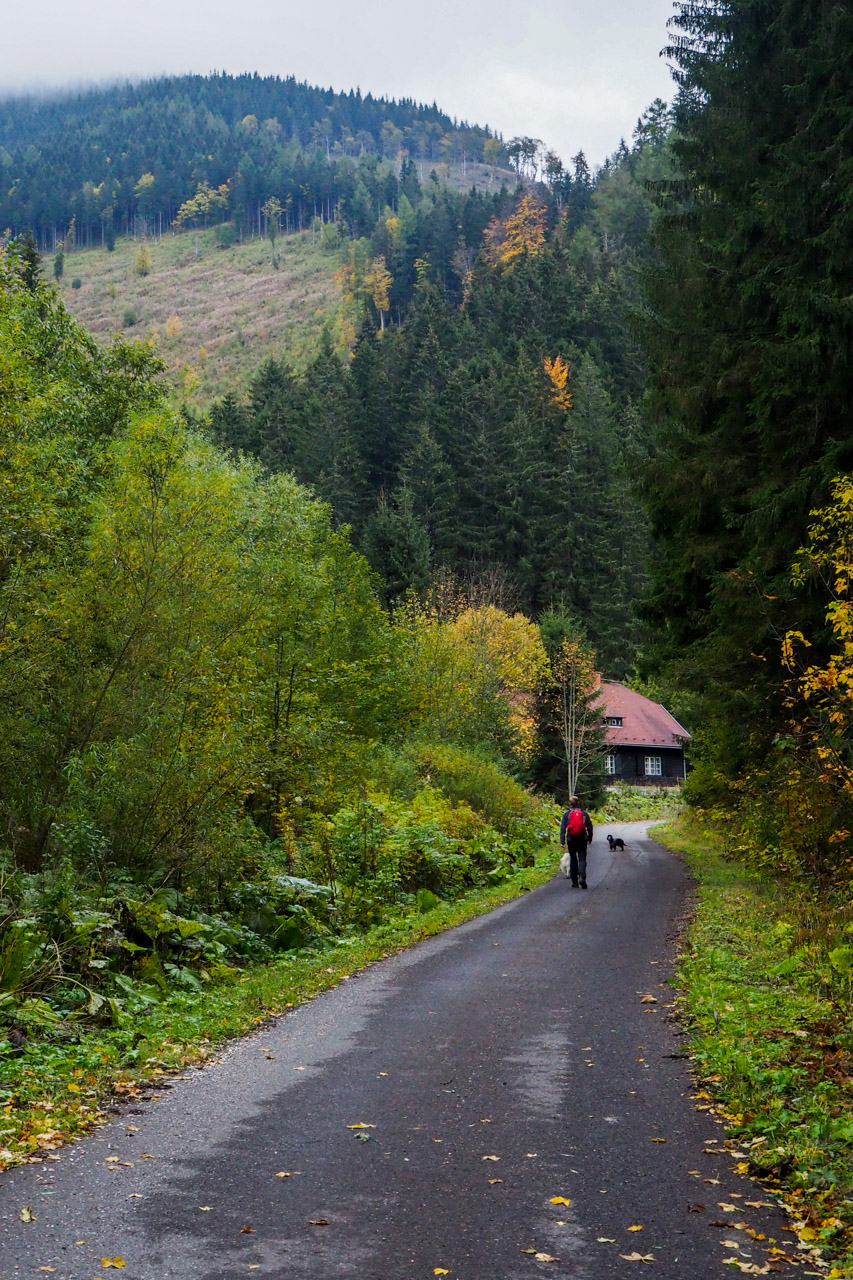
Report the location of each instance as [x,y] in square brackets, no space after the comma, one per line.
[587,823]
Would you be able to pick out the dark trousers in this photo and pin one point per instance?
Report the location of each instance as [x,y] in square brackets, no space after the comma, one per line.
[577,858]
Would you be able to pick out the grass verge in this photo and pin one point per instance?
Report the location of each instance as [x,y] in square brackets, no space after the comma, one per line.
[56,1092]
[770,1040]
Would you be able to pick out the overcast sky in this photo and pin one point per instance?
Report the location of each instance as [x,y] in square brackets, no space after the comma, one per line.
[575,73]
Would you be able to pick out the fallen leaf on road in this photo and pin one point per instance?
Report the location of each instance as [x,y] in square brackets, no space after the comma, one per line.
[758,1204]
[490,1157]
[748,1268]
[146,1156]
[361,1126]
[695,1173]
[135,1195]
[712,1182]
[727,1208]
[545,1257]
[637,1228]
[658,1139]
[26,1214]
[113,1262]
[531,1155]
[696,1208]
[560,1200]
[604,1240]
[440,1271]
[318,1222]
[493,1182]
[730,1244]
[244,1231]
[648,998]
[638,1257]
[47,1268]
[205,1208]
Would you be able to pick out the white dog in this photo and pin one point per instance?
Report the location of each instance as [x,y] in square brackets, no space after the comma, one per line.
[564,864]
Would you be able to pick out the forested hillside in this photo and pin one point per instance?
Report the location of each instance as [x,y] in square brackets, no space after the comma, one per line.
[494,429]
[471,408]
[127,159]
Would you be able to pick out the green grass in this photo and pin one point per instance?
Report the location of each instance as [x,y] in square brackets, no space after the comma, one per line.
[57,1091]
[770,1038]
[217,313]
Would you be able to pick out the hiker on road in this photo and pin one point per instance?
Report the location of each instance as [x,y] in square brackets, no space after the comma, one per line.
[576,830]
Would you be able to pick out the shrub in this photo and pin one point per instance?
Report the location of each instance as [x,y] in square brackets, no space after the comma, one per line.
[76,283]
[129,317]
[464,776]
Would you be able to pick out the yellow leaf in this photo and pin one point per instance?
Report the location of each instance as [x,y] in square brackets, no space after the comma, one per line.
[727,1208]
[658,1139]
[205,1208]
[26,1214]
[638,1257]
[604,1240]
[440,1271]
[361,1126]
[545,1257]
[560,1200]
[493,1182]
[637,1228]
[113,1262]
[490,1157]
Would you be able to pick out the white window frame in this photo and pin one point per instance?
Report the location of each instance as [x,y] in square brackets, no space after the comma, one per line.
[610,765]
[654,766]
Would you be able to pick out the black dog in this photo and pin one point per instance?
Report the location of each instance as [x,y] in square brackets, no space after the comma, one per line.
[616,842]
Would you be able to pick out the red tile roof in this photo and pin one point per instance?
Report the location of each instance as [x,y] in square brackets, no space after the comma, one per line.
[644,723]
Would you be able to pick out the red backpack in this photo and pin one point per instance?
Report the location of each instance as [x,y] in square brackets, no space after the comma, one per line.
[576,825]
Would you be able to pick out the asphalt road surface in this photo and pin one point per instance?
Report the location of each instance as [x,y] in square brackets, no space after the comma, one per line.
[498,1066]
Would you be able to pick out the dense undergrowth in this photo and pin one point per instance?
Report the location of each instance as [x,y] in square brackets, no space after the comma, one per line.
[766,1001]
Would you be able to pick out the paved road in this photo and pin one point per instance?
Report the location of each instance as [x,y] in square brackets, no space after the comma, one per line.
[500,1065]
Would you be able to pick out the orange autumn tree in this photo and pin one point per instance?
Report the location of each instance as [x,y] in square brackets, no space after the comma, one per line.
[557,372]
[522,233]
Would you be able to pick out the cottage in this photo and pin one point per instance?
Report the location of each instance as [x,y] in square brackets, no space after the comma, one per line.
[644,744]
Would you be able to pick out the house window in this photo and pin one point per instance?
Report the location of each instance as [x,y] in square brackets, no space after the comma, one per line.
[653,767]
[615,722]
[610,765]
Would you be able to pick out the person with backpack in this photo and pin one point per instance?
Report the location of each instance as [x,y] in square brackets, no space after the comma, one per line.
[576,831]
